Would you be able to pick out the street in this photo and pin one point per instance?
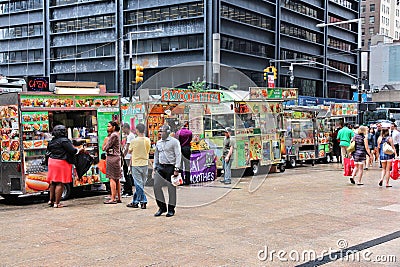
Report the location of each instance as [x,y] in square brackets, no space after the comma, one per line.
[287,219]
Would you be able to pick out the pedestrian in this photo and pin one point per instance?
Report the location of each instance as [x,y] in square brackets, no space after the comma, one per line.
[139,148]
[59,169]
[335,144]
[359,154]
[377,134]
[184,135]
[371,147]
[128,137]
[345,135]
[113,161]
[167,161]
[395,134]
[227,155]
[386,159]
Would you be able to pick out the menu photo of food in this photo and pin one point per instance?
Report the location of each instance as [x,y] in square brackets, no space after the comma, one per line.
[10,111]
[7,156]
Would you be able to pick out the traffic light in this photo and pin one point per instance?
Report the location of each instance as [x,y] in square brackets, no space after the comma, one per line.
[266,74]
[139,73]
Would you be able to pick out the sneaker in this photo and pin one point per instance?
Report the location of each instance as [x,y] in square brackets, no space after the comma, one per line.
[126,195]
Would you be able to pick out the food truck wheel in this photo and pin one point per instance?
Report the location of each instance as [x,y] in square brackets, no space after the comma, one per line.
[255,167]
[282,168]
[313,163]
[292,162]
[66,192]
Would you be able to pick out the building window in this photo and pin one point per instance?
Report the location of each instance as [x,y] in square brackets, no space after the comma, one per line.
[362,8]
[372,7]
[98,22]
[247,17]
[372,19]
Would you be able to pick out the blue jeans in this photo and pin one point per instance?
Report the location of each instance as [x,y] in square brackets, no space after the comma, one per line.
[139,174]
[227,170]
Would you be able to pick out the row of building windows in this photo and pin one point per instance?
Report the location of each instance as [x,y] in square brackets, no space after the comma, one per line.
[339,44]
[370,21]
[244,46]
[384,31]
[333,19]
[165,13]
[248,17]
[344,3]
[288,54]
[303,9]
[83,51]
[371,31]
[89,23]
[385,9]
[21,31]
[371,8]
[340,66]
[66,2]
[175,43]
[21,56]
[300,33]
[17,6]
[385,21]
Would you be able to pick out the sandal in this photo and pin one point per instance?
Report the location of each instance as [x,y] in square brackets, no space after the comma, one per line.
[110,202]
[119,201]
[50,204]
[58,205]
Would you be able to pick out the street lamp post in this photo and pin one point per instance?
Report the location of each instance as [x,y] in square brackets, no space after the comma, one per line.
[359,33]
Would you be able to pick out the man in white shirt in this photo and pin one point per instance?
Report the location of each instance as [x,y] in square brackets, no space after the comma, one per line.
[395,136]
[128,137]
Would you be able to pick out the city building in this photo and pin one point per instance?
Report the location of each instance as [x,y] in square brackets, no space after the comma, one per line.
[94,40]
[379,17]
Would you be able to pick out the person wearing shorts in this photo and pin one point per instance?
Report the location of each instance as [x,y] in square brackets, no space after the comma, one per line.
[385,159]
[360,153]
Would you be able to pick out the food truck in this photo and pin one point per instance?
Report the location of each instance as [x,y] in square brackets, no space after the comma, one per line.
[256,119]
[27,120]
[300,135]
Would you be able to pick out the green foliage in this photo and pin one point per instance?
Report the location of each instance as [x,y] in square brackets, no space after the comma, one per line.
[197,85]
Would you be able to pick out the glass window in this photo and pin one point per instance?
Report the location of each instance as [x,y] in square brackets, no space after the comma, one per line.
[183,42]
[183,11]
[156,14]
[192,42]
[192,10]
[165,13]
[164,44]
[372,7]
[372,19]
[174,12]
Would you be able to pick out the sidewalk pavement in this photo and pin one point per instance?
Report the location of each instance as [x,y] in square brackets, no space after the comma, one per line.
[306,209]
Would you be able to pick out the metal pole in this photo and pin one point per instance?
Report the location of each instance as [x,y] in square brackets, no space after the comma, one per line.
[359,82]
[130,67]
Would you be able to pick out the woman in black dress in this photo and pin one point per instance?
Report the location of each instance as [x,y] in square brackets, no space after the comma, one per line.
[360,154]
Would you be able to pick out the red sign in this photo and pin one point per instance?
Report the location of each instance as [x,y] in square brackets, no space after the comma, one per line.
[38,84]
[271,81]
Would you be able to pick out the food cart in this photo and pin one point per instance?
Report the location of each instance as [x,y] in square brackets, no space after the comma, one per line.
[300,136]
[256,118]
[27,120]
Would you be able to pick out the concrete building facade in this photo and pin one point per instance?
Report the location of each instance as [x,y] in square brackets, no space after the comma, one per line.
[90,40]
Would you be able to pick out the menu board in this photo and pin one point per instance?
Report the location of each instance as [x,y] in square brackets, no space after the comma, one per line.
[341,109]
[196,124]
[103,117]
[261,93]
[10,145]
[65,101]
[35,121]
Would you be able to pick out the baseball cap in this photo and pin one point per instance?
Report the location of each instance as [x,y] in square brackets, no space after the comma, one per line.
[228,129]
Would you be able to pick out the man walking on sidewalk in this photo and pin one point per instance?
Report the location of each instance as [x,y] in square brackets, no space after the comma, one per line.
[167,162]
[227,155]
[345,135]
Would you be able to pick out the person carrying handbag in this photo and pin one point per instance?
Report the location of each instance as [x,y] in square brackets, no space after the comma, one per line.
[359,154]
[385,158]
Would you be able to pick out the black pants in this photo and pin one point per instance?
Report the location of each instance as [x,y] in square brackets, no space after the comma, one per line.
[185,164]
[396,146]
[128,179]
[162,177]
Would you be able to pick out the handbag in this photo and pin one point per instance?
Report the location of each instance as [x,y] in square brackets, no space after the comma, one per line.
[352,147]
[45,160]
[388,149]
[176,180]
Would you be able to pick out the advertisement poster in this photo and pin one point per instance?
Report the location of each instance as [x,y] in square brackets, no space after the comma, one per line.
[10,143]
[266,156]
[255,148]
[103,117]
[202,167]
[242,148]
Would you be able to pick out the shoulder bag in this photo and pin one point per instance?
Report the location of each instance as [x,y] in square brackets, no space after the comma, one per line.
[352,147]
[387,149]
